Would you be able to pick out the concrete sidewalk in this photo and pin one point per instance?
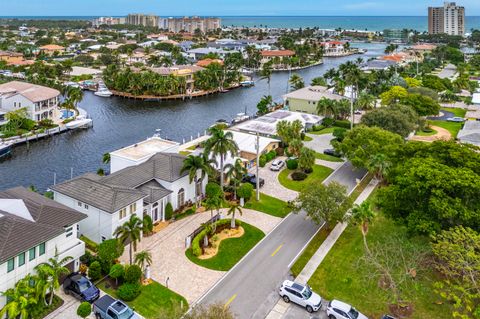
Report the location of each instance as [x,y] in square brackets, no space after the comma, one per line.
[281,308]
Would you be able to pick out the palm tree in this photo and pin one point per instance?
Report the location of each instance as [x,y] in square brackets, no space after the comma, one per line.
[130,231]
[192,164]
[49,274]
[21,298]
[266,73]
[365,101]
[221,144]
[294,147]
[324,105]
[296,82]
[106,158]
[363,215]
[143,259]
[233,208]
[235,172]
[318,81]
[351,74]
[379,165]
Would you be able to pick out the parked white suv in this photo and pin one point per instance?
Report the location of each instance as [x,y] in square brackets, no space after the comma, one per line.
[301,295]
[277,165]
[340,310]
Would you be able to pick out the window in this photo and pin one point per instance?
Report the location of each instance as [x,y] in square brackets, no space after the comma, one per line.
[133,208]
[86,206]
[21,259]
[31,254]
[41,249]
[123,213]
[69,231]
[181,197]
[10,265]
[103,238]
[198,189]
[79,204]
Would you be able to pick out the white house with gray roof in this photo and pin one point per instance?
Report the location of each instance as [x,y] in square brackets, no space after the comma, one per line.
[141,189]
[33,229]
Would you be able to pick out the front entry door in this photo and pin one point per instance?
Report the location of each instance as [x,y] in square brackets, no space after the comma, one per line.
[155,214]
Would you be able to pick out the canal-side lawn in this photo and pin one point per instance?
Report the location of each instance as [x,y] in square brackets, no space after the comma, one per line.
[153,300]
[342,275]
[230,250]
[269,205]
[319,174]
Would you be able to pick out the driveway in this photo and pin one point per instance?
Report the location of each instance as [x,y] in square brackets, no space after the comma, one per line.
[168,253]
[319,142]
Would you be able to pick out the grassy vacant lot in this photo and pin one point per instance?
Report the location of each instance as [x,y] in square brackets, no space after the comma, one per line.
[326,157]
[452,127]
[456,111]
[269,205]
[231,250]
[153,300]
[319,174]
[344,276]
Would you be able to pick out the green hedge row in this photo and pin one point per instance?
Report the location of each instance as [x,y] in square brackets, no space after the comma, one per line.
[208,230]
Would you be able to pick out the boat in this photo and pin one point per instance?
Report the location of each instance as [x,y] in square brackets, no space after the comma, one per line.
[240,117]
[103,92]
[247,71]
[5,150]
[223,91]
[80,121]
[247,83]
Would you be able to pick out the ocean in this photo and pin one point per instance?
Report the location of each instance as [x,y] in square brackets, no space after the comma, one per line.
[371,23]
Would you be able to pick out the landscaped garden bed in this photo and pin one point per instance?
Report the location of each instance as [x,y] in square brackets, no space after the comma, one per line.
[319,173]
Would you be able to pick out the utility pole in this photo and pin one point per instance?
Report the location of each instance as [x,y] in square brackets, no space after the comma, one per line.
[257,147]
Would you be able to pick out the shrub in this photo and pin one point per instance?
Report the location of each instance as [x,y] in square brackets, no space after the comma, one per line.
[292,164]
[308,170]
[271,155]
[147,224]
[108,251]
[87,258]
[219,225]
[343,123]
[299,176]
[90,244]
[280,151]
[327,122]
[263,160]
[84,309]
[316,128]
[302,136]
[213,190]
[133,273]
[245,191]
[117,271]
[95,271]
[128,291]
[168,211]
[339,133]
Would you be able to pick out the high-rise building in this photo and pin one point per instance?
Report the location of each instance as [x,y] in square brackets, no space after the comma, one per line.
[189,24]
[449,19]
[396,35]
[147,20]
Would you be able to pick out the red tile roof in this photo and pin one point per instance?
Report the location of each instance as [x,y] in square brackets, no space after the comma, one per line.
[277,53]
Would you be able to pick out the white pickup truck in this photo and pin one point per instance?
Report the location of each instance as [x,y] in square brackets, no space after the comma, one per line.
[108,308]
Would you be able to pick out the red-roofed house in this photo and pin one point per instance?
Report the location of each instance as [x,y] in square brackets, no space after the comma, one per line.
[334,48]
[275,55]
[50,49]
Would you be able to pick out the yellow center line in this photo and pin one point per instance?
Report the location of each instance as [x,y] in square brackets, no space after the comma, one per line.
[230,300]
[276,250]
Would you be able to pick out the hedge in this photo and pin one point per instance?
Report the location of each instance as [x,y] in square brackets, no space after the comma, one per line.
[133,274]
[129,291]
[292,164]
[90,244]
[343,123]
[263,160]
[220,225]
[271,155]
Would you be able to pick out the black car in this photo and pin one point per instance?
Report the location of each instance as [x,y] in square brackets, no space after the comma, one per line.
[331,152]
[252,179]
[80,287]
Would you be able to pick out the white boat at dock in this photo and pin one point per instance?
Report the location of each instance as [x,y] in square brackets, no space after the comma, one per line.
[103,92]
[247,83]
[240,117]
[80,121]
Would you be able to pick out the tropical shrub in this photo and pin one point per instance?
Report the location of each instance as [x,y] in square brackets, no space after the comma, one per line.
[168,211]
[116,272]
[263,160]
[299,176]
[245,191]
[84,309]
[339,133]
[133,274]
[327,122]
[95,271]
[218,226]
[147,224]
[292,164]
[87,258]
[271,155]
[129,291]
[343,123]
[108,251]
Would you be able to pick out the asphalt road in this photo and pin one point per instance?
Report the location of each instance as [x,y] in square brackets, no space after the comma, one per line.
[250,289]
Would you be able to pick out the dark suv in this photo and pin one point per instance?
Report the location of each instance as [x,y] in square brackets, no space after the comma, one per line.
[252,179]
[80,287]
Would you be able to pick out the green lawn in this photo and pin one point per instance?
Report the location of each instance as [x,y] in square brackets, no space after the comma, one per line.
[230,251]
[154,299]
[307,138]
[319,174]
[342,275]
[452,127]
[309,251]
[269,205]
[456,111]
[326,130]
[422,133]
[329,158]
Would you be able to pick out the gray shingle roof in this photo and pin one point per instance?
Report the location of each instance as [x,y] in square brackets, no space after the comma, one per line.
[18,234]
[113,192]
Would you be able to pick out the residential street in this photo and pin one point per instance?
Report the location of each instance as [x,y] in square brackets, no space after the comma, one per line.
[250,289]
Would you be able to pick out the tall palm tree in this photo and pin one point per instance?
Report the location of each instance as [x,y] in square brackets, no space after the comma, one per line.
[296,82]
[363,215]
[233,208]
[351,74]
[379,165]
[49,274]
[192,164]
[106,158]
[266,73]
[21,298]
[221,144]
[235,172]
[143,259]
[130,231]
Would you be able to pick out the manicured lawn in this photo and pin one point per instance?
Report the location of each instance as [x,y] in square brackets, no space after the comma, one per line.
[153,300]
[452,127]
[307,138]
[319,174]
[422,133]
[269,205]
[456,111]
[309,251]
[326,130]
[231,250]
[326,157]
[344,276]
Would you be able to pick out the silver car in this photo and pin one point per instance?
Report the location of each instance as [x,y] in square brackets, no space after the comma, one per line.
[277,165]
[301,295]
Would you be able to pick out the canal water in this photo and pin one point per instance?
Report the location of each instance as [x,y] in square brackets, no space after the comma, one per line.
[120,122]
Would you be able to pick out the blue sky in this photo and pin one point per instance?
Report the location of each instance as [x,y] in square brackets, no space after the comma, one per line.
[225,7]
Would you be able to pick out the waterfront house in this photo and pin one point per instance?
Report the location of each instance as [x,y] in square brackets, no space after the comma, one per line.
[39,101]
[199,53]
[306,99]
[276,56]
[334,48]
[186,71]
[142,182]
[11,57]
[34,229]
[51,49]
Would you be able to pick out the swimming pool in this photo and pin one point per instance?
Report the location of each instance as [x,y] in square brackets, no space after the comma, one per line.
[66,114]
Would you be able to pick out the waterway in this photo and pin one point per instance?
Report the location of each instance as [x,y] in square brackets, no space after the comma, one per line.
[120,122]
